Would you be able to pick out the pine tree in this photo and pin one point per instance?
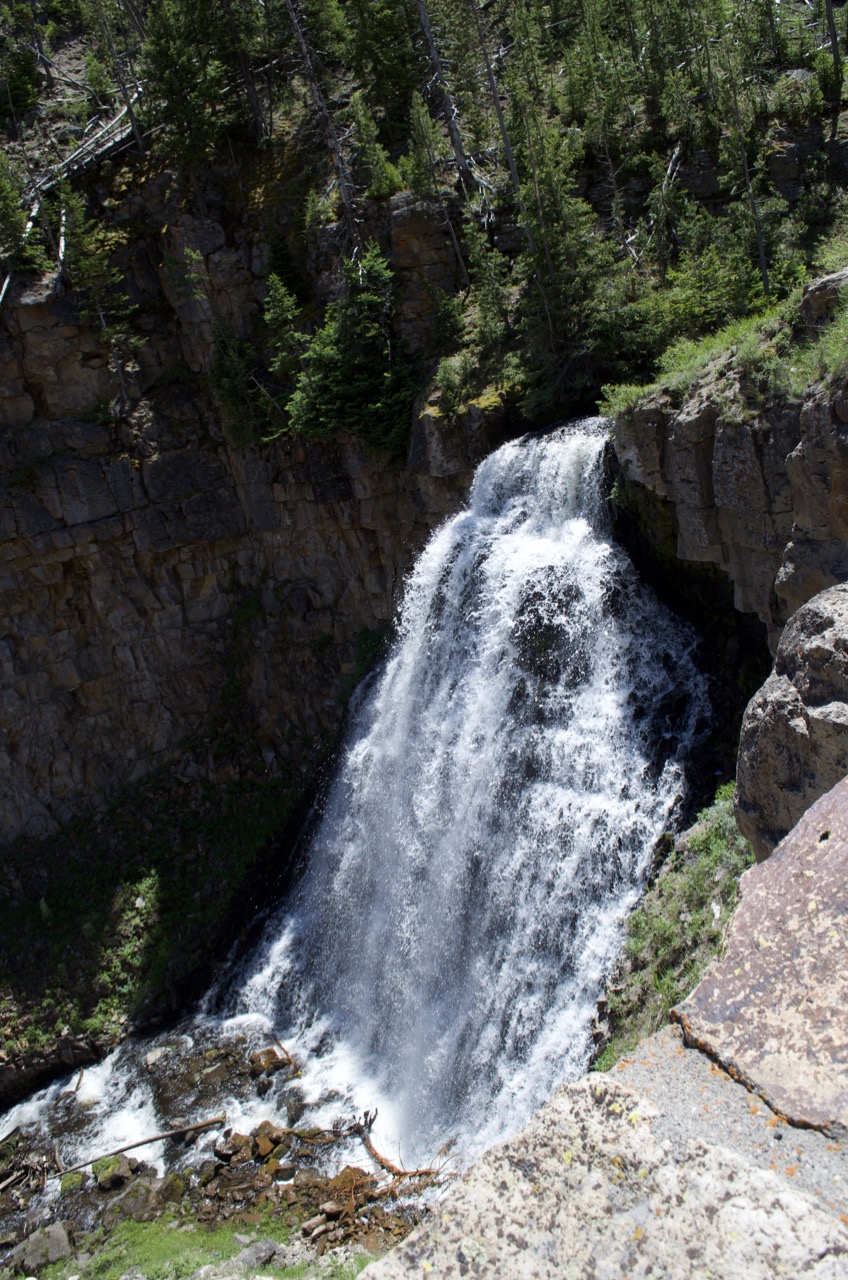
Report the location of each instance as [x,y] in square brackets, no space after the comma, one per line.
[354,378]
[385,62]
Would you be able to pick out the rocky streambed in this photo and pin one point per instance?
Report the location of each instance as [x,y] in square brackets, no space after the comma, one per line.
[277,1195]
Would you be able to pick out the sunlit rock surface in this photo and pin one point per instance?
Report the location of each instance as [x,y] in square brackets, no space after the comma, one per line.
[774,1010]
[671,1164]
[592,1189]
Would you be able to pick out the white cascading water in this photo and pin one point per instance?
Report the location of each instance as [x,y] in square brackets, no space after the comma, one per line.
[502,789]
[505,779]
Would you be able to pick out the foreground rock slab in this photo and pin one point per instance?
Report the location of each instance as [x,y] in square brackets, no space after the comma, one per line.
[774,1010]
[591,1189]
[697,1099]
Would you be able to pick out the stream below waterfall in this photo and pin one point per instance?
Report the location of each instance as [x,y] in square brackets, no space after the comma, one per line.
[506,775]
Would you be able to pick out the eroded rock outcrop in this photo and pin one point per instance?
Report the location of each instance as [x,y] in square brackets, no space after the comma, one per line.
[794,742]
[762,494]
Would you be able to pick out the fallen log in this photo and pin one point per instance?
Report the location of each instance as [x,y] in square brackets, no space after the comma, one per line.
[17,1176]
[360,1131]
[144,1142]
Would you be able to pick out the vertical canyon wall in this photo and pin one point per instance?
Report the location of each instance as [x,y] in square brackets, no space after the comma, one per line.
[155,581]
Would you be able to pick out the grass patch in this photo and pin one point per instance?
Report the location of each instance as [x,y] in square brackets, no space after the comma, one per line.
[687,361]
[677,928]
[770,350]
[171,1249]
[824,357]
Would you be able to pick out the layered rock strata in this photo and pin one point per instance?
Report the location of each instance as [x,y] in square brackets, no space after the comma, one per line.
[155,580]
[759,493]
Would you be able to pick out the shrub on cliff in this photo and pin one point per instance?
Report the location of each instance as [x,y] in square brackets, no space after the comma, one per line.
[355,377]
[678,927]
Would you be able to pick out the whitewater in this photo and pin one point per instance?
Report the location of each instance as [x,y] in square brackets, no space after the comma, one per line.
[504,781]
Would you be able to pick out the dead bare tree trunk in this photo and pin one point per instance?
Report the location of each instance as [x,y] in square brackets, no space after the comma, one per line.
[449,110]
[259,120]
[122,84]
[834,47]
[135,18]
[513,170]
[752,202]
[332,138]
[507,145]
[43,60]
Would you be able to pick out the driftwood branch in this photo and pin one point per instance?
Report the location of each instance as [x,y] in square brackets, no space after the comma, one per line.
[156,1137]
[17,1176]
[362,1129]
[290,1062]
[398,1174]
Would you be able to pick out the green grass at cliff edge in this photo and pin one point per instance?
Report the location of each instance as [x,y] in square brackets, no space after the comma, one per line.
[677,928]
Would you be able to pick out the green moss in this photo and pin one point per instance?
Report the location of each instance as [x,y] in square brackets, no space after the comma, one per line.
[71,1182]
[489,398]
[677,928]
[137,899]
[104,1169]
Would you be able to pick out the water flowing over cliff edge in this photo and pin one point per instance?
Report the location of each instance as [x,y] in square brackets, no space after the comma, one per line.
[505,779]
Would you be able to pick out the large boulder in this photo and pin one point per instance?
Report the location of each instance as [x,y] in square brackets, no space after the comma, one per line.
[794,742]
[772,1012]
[41,1249]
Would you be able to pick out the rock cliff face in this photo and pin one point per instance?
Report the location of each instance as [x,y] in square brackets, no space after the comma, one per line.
[151,573]
[154,579]
[755,492]
[728,485]
[760,494]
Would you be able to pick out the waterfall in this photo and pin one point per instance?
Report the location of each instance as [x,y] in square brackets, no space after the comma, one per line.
[503,784]
[506,776]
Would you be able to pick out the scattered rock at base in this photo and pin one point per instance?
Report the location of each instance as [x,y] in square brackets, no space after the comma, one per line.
[112,1172]
[43,1247]
[773,1011]
[267,1062]
[235,1148]
[794,741]
[155,1055]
